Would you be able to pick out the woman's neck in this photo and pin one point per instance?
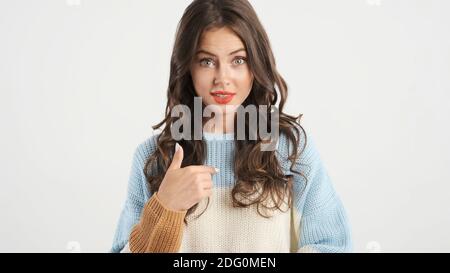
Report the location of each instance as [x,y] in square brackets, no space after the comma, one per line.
[222,125]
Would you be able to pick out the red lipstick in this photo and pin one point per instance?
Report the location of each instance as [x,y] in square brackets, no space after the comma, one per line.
[222,97]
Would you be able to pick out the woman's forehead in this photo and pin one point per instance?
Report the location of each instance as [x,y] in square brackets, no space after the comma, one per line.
[223,39]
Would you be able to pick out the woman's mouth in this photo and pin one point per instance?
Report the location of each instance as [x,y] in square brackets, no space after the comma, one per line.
[222,97]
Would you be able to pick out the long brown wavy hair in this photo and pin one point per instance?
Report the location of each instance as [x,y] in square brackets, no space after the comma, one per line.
[258,174]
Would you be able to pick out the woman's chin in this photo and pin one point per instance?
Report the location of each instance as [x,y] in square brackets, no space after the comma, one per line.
[223,108]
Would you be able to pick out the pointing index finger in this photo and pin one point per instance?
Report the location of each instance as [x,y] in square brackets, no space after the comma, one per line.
[203,169]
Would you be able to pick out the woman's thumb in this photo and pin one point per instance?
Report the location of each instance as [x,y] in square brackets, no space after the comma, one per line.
[177,158]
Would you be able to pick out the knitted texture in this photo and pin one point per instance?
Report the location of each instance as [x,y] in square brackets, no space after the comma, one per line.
[317,221]
[159,229]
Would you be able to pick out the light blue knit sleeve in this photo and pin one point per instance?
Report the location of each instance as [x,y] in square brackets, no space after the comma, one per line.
[323,225]
[137,195]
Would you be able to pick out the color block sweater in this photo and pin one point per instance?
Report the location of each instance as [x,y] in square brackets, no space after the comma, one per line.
[317,221]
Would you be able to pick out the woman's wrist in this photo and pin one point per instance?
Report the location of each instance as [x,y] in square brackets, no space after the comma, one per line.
[166,205]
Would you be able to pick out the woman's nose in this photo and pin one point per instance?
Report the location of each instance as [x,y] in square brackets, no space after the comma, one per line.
[222,76]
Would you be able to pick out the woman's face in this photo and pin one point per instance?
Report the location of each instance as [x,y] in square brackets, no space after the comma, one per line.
[220,73]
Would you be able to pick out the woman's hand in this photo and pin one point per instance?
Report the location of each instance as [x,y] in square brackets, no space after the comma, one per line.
[182,188]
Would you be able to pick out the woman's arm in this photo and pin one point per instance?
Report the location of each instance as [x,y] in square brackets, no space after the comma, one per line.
[325,228]
[159,229]
[324,225]
[146,226]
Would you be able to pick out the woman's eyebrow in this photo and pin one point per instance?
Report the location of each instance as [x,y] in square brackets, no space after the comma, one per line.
[209,53]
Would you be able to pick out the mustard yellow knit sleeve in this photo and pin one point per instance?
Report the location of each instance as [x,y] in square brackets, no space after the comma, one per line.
[158,230]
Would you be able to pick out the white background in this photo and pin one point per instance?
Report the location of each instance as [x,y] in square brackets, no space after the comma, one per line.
[83,81]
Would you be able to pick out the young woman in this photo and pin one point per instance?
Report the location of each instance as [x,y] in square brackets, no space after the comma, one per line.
[221,193]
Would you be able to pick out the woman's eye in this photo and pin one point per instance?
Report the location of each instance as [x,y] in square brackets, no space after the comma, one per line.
[206,61]
[241,59]
[209,62]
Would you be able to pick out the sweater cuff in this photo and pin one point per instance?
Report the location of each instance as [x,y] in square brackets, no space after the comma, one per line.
[170,217]
[159,230]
